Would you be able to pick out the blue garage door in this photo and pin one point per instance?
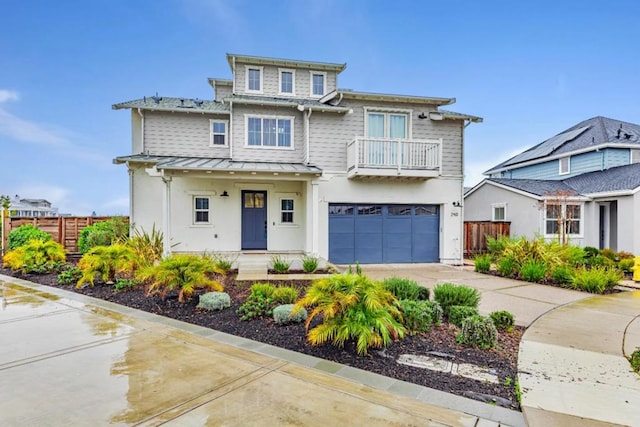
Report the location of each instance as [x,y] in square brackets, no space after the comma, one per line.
[373,234]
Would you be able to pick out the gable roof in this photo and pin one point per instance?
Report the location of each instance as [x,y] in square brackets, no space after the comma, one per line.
[590,133]
[620,178]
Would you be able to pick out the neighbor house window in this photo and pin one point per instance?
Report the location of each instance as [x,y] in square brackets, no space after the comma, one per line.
[635,156]
[254,79]
[318,83]
[286,211]
[218,132]
[201,210]
[287,82]
[272,132]
[565,165]
[562,219]
[499,212]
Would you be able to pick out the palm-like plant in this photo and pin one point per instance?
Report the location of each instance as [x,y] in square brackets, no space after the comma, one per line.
[35,256]
[148,247]
[352,306]
[184,272]
[105,262]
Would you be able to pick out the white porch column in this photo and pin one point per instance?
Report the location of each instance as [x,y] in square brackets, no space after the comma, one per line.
[166,215]
[312,221]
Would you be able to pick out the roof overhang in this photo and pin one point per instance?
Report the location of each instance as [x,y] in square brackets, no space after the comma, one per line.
[281,62]
[219,82]
[210,165]
[288,104]
[371,96]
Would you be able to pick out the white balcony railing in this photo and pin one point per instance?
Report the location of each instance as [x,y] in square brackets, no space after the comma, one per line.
[394,157]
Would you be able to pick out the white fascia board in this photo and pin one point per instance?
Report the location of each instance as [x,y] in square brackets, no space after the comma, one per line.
[618,193]
[515,190]
[474,188]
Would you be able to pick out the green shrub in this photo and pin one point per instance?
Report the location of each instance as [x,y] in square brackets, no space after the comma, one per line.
[613,277]
[635,360]
[533,271]
[148,248]
[213,301]
[417,316]
[478,331]
[482,263]
[572,255]
[496,246]
[259,302]
[625,255]
[352,307]
[279,264]
[403,288]
[457,313]
[591,252]
[309,263]
[436,311]
[503,320]
[104,262]
[122,284]
[224,262]
[595,280]
[284,314]
[285,295]
[184,272]
[609,253]
[506,266]
[103,233]
[36,256]
[264,289]
[23,234]
[626,265]
[562,274]
[448,295]
[69,274]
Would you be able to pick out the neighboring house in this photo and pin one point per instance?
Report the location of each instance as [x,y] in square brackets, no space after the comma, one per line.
[583,183]
[283,160]
[19,207]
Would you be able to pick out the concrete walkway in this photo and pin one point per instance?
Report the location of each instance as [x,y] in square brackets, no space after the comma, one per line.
[68,359]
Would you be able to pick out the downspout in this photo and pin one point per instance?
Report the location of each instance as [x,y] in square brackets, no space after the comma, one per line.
[464,126]
[131,186]
[141,129]
[231,129]
[307,136]
[166,217]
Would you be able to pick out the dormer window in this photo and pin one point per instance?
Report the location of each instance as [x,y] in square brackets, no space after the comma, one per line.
[565,166]
[287,82]
[318,82]
[254,79]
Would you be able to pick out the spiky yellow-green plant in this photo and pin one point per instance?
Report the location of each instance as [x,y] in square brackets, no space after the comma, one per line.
[148,247]
[352,306]
[36,255]
[184,272]
[105,262]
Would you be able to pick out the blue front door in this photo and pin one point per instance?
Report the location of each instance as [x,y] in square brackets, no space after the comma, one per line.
[254,219]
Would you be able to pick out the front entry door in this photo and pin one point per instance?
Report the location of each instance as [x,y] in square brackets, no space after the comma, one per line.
[254,219]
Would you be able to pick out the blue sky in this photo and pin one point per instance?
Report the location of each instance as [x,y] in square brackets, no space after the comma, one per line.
[530,69]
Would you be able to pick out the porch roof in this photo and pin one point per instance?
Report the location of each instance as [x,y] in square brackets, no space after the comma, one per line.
[222,165]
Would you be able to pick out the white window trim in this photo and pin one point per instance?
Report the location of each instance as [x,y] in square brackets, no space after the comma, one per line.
[634,156]
[246,78]
[563,205]
[226,132]
[493,211]
[386,112]
[293,81]
[195,196]
[280,212]
[262,147]
[311,74]
[568,171]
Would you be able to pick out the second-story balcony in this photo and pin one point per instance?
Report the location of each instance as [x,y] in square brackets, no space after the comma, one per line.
[403,158]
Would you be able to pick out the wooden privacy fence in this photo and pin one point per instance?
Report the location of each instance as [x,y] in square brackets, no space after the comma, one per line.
[64,230]
[476,232]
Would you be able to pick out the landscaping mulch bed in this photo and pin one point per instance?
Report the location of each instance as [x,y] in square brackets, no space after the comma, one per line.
[502,360]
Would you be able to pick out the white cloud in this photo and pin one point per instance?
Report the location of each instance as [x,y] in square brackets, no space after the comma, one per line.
[8,95]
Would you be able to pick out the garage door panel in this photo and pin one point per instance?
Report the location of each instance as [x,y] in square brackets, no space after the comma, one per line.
[368,248]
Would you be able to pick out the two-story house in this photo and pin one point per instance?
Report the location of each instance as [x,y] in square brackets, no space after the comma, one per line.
[281,160]
[21,207]
[583,183]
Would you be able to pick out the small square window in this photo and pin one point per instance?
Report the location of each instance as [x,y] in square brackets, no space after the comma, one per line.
[499,212]
[201,210]
[286,211]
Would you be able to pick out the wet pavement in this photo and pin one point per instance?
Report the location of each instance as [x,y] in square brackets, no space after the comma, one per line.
[68,359]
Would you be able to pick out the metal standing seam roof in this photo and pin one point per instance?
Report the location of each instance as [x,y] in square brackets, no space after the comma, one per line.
[216,164]
[285,102]
[175,104]
[589,133]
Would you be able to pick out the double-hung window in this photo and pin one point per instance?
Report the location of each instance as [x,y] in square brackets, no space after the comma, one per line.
[254,79]
[219,132]
[499,212]
[286,211]
[201,209]
[318,83]
[563,219]
[272,132]
[287,82]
